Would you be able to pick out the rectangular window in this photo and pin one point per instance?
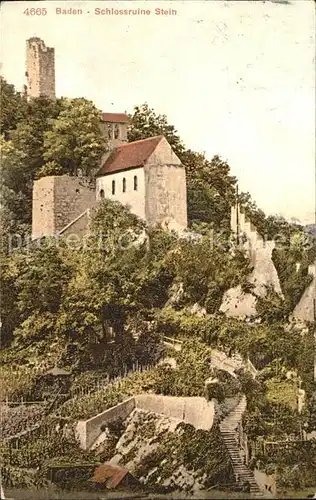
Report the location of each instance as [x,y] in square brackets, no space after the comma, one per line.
[113,187]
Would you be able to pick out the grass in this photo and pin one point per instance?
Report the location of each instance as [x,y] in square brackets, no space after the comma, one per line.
[302,493]
[15,380]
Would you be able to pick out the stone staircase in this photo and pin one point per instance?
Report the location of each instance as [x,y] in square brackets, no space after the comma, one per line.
[228,428]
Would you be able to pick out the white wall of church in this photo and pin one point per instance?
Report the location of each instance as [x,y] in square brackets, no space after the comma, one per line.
[166,196]
[135,199]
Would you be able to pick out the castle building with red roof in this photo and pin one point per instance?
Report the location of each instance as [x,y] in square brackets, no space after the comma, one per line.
[145,175]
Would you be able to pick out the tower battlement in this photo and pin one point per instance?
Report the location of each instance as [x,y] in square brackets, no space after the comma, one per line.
[40,69]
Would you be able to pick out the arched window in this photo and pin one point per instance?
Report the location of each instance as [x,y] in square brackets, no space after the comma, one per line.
[124,185]
[113,187]
[102,194]
[135,183]
[116,131]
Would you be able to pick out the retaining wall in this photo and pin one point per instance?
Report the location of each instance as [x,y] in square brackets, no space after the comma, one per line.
[191,410]
[89,430]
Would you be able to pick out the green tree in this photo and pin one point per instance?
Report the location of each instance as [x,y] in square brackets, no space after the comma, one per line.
[15,211]
[206,270]
[22,157]
[114,224]
[146,123]
[210,186]
[75,142]
[104,287]
[29,134]
[10,314]
[211,190]
[43,274]
[13,107]
[271,308]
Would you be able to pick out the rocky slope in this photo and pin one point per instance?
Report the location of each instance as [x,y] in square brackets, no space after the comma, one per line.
[156,449]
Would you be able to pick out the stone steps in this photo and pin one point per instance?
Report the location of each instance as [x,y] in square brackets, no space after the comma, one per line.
[228,431]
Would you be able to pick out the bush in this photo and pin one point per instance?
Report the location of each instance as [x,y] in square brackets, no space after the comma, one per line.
[202,452]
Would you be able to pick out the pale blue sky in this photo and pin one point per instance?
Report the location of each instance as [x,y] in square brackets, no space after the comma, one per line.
[235,78]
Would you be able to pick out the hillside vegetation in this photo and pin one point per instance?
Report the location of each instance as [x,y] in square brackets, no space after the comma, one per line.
[99,311]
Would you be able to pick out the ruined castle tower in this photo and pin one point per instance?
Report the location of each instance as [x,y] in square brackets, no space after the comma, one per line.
[60,201]
[40,69]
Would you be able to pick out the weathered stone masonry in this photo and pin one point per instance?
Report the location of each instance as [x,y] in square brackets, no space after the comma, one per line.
[40,69]
[57,201]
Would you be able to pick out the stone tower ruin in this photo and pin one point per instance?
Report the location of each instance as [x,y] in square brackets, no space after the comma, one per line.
[40,69]
[59,201]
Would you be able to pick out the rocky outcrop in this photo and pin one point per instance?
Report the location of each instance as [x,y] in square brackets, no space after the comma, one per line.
[305,310]
[149,449]
[137,448]
[142,435]
[236,302]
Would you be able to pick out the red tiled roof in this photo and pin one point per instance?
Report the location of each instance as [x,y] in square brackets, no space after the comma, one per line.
[115,480]
[114,117]
[131,155]
[110,474]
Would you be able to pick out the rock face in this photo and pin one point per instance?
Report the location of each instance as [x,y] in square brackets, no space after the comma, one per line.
[139,445]
[235,302]
[305,310]
[142,435]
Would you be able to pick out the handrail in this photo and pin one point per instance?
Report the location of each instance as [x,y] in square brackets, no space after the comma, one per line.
[173,340]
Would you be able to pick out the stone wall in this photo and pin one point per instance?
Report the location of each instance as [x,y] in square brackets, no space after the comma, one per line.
[191,410]
[88,431]
[166,201]
[57,201]
[43,207]
[77,229]
[40,67]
